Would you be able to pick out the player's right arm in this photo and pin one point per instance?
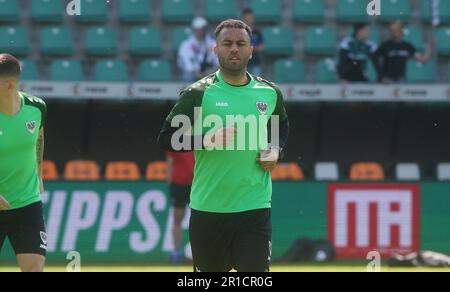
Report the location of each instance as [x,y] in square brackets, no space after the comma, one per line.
[4,205]
[184,109]
[419,57]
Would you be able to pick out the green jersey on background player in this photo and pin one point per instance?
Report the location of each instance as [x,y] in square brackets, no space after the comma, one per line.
[22,119]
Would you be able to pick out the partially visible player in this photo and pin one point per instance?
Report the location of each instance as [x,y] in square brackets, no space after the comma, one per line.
[21,153]
[180,172]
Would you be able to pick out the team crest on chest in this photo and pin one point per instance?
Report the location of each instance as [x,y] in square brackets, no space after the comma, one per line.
[262,107]
[31,127]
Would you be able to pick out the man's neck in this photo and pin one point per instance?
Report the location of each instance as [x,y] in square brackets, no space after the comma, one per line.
[10,104]
[235,79]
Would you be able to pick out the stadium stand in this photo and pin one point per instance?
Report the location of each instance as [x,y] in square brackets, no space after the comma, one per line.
[137,40]
[179,34]
[407,172]
[443,171]
[14,40]
[278,40]
[110,71]
[177,10]
[351,11]
[93,12]
[9,11]
[444,12]
[218,10]
[392,10]
[56,41]
[101,41]
[80,170]
[66,70]
[122,171]
[443,41]
[134,11]
[327,171]
[129,29]
[417,72]
[367,171]
[306,11]
[289,71]
[320,41]
[266,11]
[155,70]
[49,171]
[156,171]
[287,171]
[47,11]
[29,70]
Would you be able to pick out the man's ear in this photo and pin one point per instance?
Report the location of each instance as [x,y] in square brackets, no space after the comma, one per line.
[216,51]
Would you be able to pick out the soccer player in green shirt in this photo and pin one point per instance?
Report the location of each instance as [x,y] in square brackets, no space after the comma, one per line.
[230,224]
[21,154]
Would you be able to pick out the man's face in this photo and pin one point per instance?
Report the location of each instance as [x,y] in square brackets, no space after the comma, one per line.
[396,30]
[363,34]
[200,33]
[233,49]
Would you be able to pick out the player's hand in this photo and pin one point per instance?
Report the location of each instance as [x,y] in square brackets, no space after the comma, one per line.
[268,159]
[4,205]
[221,138]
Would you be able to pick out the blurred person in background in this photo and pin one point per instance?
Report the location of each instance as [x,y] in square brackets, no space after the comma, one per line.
[395,52]
[180,172]
[254,65]
[196,57]
[355,52]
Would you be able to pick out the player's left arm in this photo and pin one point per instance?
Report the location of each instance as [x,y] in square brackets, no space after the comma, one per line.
[40,143]
[40,157]
[269,158]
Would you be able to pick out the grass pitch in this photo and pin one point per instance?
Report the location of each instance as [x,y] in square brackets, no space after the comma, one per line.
[274,268]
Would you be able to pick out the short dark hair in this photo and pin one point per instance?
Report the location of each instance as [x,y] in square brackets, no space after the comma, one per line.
[9,66]
[358,26]
[233,23]
[247,11]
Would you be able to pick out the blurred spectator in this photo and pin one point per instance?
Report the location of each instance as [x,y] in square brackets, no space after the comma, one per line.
[354,54]
[180,172]
[196,57]
[254,66]
[395,52]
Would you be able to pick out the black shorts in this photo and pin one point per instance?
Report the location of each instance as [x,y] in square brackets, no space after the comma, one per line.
[25,229]
[240,241]
[180,195]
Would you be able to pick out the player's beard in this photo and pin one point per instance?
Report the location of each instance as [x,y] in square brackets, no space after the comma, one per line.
[226,65]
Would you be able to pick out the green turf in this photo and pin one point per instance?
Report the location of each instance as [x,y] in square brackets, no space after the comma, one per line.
[276,268]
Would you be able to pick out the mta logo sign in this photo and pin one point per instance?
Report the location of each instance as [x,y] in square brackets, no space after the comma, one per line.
[365,218]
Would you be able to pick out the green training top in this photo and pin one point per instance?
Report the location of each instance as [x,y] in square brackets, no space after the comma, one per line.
[231,181]
[19,181]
